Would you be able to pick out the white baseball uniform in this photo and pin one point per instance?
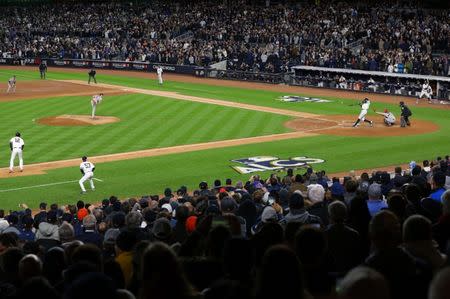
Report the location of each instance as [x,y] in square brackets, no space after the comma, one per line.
[364,107]
[426,91]
[16,144]
[96,99]
[159,71]
[389,118]
[87,168]
[342,82]
[11,85]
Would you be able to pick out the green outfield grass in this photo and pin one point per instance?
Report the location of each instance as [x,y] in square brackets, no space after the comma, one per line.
[146,122]
[149,122]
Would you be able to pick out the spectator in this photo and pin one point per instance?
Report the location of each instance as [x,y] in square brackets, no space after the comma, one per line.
[375,203]
[42,215]
[66,233]
[82,211]
[298,213]
[437,185]
[47,234]
[29,266]
[441,229]
[311,248]
[161,271]
[125,243]
[418,241]
[363,282]
[344,243]
[89,235]
[406,277]
[27,234]
[13,225]
[439,287]
[268,284]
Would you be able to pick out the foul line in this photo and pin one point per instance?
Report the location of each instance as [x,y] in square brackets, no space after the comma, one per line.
[45,185]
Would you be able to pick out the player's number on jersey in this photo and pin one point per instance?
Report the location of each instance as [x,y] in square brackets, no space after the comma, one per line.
[87,165]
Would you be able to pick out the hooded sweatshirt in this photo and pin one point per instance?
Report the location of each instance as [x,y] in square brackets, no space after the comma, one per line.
[301,215]
[47,231]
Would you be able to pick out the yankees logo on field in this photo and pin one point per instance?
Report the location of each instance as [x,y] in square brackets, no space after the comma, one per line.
[302,99]
[270,163]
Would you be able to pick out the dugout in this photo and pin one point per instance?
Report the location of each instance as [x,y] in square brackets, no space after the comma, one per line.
[369,81]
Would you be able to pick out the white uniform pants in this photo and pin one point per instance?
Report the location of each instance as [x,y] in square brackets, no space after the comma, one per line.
[343,85]
[93,110]
[87,176]
[11,88]
[362,115]
[160,80]
[425,94]
[14,152]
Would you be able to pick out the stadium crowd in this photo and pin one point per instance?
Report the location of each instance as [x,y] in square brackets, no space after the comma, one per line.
[290,236]
[379,37]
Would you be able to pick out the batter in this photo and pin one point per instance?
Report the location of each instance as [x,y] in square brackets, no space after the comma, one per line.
[365,104]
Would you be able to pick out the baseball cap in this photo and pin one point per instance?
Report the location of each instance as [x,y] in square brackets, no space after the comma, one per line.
[168,207]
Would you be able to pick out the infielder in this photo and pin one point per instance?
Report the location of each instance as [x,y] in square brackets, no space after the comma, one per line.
[389,118]
[426,92]
[12,84]
[159,71]
[362,115]
[42,69]
[96,99]
[92,74]
[87,169]
[16,145]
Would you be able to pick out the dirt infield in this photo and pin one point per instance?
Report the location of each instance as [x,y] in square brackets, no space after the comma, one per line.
[341,125]
[305,124]
[28,90]
[77,120]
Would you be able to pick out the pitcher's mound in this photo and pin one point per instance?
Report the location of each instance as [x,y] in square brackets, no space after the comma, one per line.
[77,120]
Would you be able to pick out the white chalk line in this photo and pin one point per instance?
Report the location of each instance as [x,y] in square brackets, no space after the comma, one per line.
[45,185]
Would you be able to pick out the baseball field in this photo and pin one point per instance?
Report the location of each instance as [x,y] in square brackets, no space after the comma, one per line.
[148,137]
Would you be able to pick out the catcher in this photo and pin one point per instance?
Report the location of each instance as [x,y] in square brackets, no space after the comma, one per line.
[389,118]
[96,99]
